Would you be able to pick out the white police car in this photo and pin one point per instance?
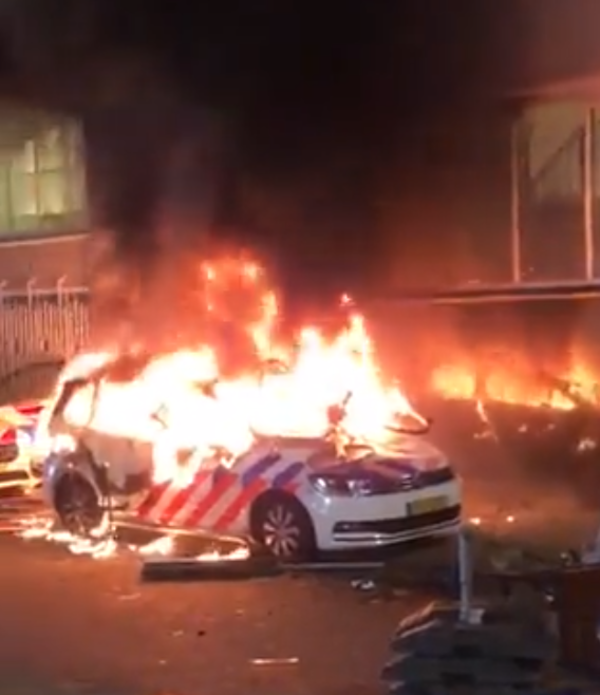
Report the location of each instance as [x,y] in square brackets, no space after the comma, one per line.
[295,495]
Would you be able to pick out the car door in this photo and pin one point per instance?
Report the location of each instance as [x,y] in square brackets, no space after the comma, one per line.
[117,442]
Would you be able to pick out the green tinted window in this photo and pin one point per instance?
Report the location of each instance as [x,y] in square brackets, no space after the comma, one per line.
[41,174]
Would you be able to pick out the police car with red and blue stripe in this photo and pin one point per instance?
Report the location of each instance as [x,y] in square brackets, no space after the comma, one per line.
[295,495]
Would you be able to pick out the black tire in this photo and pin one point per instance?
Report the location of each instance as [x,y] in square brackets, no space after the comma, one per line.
[281,524]
[78,504]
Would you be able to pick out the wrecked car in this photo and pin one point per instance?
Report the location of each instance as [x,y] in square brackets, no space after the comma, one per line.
[17,450]
[295,494]
[26,389]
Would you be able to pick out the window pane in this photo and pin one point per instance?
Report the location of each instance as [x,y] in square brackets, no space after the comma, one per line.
[23,161]
[42,182]
[51,150]
[77,192]
[53,192]
[23,196]
[5,209]
[72,136]
[555,150]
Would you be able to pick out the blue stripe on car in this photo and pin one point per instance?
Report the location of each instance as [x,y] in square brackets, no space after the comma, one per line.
[29,430]
[288,474]
[259,468]
[405,466]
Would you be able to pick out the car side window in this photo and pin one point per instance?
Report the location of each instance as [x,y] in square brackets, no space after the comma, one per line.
[75,402]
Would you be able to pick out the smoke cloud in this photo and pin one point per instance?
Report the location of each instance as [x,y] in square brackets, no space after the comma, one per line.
[273,125]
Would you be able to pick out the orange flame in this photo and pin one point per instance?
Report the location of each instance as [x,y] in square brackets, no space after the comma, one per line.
[517,386]
[182,402]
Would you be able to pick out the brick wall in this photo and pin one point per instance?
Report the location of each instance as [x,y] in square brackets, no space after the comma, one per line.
[46,261]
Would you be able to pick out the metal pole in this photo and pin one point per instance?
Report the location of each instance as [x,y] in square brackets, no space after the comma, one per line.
[465,574]
[515,201]
[588,193]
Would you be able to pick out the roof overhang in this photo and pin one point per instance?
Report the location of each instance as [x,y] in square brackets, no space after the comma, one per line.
[549,50]
[583,88]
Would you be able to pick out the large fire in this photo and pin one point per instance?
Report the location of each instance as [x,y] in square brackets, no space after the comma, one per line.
[182,401]
[518,386]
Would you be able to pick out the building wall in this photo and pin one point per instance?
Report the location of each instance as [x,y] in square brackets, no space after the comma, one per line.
[45,261]
[543,47]
[448,211]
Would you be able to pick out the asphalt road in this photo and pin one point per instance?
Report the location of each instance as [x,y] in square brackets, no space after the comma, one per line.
[76,626]
[79,625]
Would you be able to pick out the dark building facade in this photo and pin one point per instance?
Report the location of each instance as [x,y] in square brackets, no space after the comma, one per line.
[513,194]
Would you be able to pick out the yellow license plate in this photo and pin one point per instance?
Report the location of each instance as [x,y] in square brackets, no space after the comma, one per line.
[427,504]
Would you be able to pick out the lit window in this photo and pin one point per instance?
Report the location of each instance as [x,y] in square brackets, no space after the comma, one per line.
[5,207]
[23,194]
[42,184]
[53,193]
[51,155]
[23,162]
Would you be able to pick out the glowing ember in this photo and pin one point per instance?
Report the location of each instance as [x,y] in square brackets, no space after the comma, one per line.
[181,401]
[160,552]
[241,553]
[162,546]
[492,520]
[99,545]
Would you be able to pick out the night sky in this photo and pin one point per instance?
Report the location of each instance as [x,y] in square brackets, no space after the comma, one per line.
[326,134]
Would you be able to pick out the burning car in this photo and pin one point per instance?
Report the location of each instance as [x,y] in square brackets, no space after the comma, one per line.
[293,494]
[295,490]
[303,447]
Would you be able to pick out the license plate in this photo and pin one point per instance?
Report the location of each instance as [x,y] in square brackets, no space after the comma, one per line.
[427,504]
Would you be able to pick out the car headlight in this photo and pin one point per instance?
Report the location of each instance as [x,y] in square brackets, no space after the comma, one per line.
[340,486]
[24,439]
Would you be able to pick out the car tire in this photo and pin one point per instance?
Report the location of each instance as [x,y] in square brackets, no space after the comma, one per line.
[78,505]
[281,524]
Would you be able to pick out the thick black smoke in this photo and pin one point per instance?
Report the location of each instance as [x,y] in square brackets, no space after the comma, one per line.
[273,124]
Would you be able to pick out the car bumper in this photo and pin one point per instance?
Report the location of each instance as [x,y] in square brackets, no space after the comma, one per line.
[15,466]
[343,523]
[391,531]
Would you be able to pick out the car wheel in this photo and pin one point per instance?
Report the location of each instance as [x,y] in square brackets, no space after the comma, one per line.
[78,504]
[282,525]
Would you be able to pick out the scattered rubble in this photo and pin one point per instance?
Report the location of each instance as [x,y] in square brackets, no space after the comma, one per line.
[497,650]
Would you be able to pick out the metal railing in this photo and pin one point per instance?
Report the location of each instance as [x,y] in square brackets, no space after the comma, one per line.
[41,325]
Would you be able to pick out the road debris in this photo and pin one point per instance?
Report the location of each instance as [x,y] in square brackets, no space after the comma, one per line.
[435,651]
[364,585]
[276,661]
[469,648]
[129,597]
[219,563]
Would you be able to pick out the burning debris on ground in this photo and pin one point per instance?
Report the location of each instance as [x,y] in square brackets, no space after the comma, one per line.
[151,547]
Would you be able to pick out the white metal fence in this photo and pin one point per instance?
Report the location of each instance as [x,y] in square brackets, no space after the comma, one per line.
[39,328]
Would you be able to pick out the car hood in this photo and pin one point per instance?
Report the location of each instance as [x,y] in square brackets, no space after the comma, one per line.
[402,458]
